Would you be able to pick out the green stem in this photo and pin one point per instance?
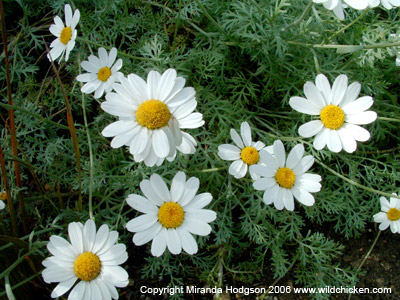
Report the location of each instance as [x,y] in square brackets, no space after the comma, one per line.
[119,52]
[356,183]
[90,149]
[367,255]
[211,19]
[350,24]
[262,11]
[301,18]
[211,170]
[335,46]
[388,119]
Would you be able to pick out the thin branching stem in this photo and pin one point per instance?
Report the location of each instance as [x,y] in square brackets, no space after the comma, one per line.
[12,122]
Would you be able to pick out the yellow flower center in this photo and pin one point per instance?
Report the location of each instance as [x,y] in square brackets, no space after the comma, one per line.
[332,116]
[250,155]
[87,266]
[66,35]
[393,214]
[104,73]
[153,114]
[3,196]
[170,215]
[285,177]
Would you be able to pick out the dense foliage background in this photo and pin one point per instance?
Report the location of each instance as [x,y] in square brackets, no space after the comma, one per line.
[245,59]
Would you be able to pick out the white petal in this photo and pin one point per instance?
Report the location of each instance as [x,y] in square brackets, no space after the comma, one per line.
[64,247]
[205,215]
[338,89]
[228,152]
[268,160]
[238,169]
[365,117]
[304,106]
[246,133]
[314,95]
[358,106]
[112,56]
[75,236]
[173,241]
[311,128]
[295,155]
[190,190]
[347,140]
[357,4]
[278,200]
[358,133]
[141,223]
[264,183]
[159,243]
[236,138]
[118,127]
[270,195]
[141,204]
[89,235]
[198,202]
[161,145]
[279,153]
[262,171]
[189,244]
[68,14]
[334,143]
[352,93]
[288,200]
[196,227]
[139,141]
[160,187]
[78,291]
[310,186]
[304,165]
[178,186]
[150,194]
[321,139]
[102,236]
[143,237]
[303,196]
[63,287]
[182,97]
[166,84]
[153,79]
[324,86]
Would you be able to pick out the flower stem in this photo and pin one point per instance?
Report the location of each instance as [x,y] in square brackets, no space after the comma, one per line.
[350,24]
[301,18]
[355,183]
[367,255]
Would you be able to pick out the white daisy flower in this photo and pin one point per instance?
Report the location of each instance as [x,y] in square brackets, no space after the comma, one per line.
[390,214]
[339,111]
[102,72]
[244,154]
[337,5]
[151,116]
[66,35]
[170,216]
[282,179]
[91,257]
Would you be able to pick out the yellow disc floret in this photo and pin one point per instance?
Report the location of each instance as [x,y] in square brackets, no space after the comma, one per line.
[66,35]
[87,266]
[393,214]
[104,73]
[3,196]
[285,177]
[153,114]
[250,155]
[170,215]
[332,116]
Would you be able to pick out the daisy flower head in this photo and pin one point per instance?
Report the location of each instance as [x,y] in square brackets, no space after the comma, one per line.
[170,216]
[66,35]
[151,116]
[102,72]
[284,179]
[390,214]
[244,154]
[91,257]
[339,110]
